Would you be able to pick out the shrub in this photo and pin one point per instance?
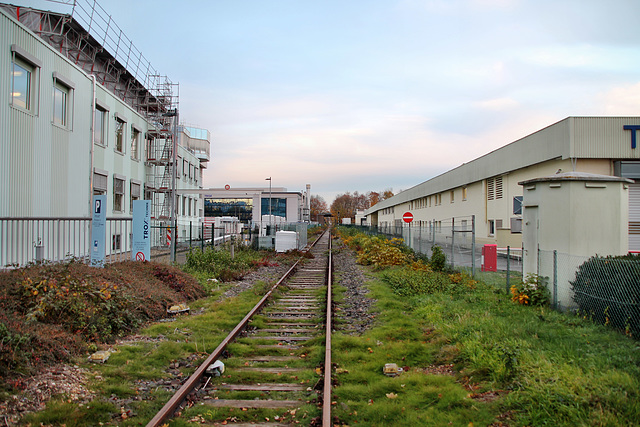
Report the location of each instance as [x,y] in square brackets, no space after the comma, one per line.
[607,289]
[438,259]
[219,263]
[407,281]
[533,291]
[381,252]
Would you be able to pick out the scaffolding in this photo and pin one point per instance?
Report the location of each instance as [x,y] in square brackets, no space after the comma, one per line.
[162,145]
[88,36]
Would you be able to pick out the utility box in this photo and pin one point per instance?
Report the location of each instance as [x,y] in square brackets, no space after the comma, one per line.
[489,258]
[567,218]
[286,241]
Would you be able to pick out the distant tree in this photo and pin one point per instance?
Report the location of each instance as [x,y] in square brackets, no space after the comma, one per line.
[318,207]
[344,206]
[374,197]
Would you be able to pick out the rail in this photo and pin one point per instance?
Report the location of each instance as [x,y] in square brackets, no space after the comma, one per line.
[195,379]
[326,394]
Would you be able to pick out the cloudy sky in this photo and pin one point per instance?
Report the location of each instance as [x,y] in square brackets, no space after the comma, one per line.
[360,95]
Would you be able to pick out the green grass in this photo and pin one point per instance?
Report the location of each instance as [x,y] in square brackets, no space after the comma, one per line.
[548,368]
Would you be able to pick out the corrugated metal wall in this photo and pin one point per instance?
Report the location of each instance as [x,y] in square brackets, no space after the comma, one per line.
[604,137]
[44,166]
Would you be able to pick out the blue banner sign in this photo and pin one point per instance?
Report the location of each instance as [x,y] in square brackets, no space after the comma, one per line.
[98,230]
[141,244]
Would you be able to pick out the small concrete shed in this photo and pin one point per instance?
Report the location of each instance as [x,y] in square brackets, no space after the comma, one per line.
[576,214]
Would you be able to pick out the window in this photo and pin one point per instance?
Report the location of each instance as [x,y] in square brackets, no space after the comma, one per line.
[100,181]
[62,100]
[24,76]
[60,96]
[517,205]
[100,126]
[118,193]
[464,193]
[119,134]
[135,142]
[438,199]
[492,227]
[21,85]
[116,242]
[134,191]
[452,194]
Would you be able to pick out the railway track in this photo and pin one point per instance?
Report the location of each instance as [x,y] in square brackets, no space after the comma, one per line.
[274,359]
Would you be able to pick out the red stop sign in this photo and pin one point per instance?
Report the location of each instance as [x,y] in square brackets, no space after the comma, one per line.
[407,217]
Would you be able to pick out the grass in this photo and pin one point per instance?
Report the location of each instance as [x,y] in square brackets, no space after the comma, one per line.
[540,366]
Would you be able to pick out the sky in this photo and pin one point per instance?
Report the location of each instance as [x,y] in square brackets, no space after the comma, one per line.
[369,95]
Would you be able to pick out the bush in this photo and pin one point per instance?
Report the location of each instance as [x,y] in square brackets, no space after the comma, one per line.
[438,259]
[407,281]
[48,311]
[219,264]
[533,291]
[607,289]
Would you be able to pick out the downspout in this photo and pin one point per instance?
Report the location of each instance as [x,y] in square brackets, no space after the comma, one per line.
[93,139]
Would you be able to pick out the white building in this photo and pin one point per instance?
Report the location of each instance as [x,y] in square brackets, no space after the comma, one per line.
[75,122]
[488,188]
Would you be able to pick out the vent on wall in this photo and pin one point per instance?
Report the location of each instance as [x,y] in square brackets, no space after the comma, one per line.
[494,188]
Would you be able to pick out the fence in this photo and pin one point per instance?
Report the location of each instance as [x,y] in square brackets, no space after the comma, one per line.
[606,290]
[30,239]
[457,238]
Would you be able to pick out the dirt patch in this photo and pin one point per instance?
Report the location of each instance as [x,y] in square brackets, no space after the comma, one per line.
[69,381]
[356,310]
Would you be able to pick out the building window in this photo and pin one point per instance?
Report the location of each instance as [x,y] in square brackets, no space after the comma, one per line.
[464,193]
[62,100]
[135,192]
[517,205]
[100,126]
[60,97]
[119,135]
[116,242]
[118,194]
[492,227]
[438,199]
[25,71]
[452,195]
[99,182]
[135,143]
[21,81]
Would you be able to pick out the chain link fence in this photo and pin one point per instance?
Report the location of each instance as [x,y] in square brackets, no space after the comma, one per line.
[455,236]
[604,289]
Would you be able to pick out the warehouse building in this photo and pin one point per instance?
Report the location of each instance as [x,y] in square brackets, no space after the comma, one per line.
[488,187]
[83,113]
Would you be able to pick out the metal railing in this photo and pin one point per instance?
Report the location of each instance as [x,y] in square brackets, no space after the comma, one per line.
[25,240]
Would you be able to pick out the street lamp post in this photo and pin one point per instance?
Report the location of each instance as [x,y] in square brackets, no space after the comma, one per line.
[269,179]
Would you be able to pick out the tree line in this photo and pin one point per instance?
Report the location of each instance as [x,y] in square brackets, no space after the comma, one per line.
[345,205]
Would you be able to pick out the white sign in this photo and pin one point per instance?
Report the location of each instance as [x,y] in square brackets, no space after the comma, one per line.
[141,225]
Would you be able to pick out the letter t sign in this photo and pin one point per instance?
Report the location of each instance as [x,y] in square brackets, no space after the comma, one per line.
[633,130]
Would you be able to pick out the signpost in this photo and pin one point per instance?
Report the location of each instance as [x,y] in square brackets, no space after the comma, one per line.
[98,230]
[407,217]
[141,243]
